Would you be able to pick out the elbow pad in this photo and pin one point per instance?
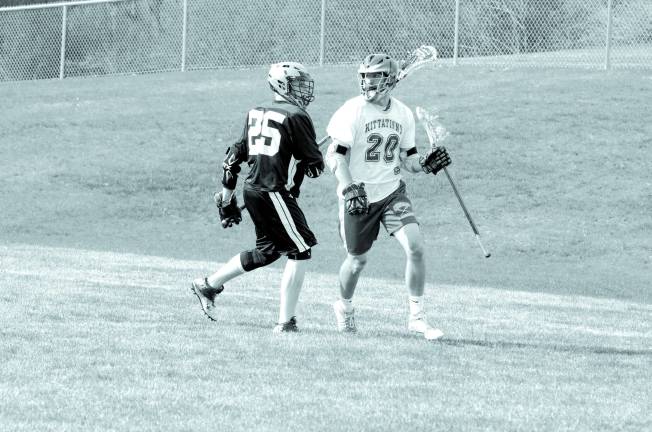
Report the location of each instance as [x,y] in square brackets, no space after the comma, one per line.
[231,168]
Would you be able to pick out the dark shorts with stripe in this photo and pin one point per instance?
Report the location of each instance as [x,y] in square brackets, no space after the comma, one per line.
[281,226]
[359,232]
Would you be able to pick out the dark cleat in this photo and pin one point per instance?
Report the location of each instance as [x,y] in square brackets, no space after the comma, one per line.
[287,327]
[206,295]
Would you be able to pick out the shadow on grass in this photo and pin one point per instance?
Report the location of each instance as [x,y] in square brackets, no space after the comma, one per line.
[574,349]
[496,344]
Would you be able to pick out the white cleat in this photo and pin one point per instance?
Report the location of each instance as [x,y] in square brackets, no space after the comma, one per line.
[419,324]
[345,320]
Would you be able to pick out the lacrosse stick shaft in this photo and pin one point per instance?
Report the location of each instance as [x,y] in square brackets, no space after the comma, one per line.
[322,141]
[423,116]
[466,213]
[461,201]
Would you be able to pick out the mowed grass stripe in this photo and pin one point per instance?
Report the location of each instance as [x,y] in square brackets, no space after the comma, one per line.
[498,308]
[110,341]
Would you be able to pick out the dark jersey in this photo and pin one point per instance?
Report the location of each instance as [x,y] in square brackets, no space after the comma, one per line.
[277,142]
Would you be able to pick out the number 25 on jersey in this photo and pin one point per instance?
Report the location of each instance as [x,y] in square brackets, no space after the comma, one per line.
[264,138]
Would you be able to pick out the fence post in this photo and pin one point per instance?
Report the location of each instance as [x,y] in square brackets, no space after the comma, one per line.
[64,28]
[184,32]
[321,33]
[456,43]
[607,56]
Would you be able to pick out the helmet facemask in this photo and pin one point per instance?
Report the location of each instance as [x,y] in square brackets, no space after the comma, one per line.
[373,84]
[300,90]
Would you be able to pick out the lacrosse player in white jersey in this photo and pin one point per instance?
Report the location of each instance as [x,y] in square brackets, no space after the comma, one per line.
[372,143]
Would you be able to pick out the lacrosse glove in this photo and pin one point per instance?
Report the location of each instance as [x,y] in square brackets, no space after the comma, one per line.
[314,170]
[435,160]
[355,199]
[229,212]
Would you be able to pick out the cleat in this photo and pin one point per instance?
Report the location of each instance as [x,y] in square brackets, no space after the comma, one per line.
[345,320]
[206,295]
[287,327]
[419,324]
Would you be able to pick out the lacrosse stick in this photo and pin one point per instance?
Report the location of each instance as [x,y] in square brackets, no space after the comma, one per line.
[437,133]
[415,60]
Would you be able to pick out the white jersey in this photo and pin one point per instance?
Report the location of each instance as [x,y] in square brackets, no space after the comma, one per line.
[375,138]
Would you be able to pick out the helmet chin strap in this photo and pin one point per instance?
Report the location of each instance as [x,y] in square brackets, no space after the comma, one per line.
[383,100]
[370,95]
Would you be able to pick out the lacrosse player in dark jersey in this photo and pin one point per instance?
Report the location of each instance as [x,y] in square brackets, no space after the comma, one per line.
[278,143]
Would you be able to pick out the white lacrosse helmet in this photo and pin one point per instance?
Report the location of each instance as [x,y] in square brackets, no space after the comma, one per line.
[378,75]
[292,81]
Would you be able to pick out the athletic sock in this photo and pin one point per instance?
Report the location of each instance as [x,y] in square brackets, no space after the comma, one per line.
[348,304]
[416,306]
[291,284]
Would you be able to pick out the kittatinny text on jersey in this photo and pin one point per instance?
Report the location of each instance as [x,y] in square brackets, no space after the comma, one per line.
[383,123]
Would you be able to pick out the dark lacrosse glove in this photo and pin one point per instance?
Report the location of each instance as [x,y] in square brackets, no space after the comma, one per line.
[355,199]
[435,160]
[229,212]
[314,170]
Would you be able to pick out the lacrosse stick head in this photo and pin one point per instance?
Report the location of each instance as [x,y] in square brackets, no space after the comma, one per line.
[434,129]
[417,59]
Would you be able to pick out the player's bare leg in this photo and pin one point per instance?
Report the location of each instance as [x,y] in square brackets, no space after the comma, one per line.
[409,236]
[350,271]
[291,283]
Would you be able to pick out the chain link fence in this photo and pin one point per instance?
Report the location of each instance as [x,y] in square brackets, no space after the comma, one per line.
[99,37]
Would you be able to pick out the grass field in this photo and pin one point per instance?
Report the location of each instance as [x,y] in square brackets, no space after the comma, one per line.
[106,341]
[107,216]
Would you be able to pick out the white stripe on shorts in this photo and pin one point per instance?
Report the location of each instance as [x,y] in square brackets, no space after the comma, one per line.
[287,221]
[340,214]
[292,169]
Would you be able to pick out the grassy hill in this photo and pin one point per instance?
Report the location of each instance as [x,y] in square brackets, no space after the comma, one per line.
[107,216]
[553,165]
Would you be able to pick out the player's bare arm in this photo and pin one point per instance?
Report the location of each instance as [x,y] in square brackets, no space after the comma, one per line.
[353,193]
[338,164]
[411,161]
